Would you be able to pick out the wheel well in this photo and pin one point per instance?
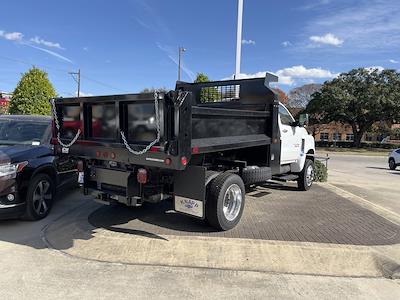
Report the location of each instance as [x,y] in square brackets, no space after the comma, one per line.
[48,170]
[310,154]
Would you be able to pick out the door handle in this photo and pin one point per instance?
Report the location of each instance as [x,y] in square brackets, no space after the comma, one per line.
[285,130]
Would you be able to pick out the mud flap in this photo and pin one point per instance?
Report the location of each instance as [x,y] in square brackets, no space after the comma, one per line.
[190,191]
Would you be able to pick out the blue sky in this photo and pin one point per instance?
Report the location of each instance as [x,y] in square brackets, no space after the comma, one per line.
[125,46]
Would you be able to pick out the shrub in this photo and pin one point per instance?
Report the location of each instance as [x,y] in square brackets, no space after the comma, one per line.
[321,172]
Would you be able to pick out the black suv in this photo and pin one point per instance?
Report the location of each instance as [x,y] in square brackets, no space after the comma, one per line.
[29,171]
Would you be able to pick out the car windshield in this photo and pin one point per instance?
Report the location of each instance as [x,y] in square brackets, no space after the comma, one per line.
[16,132]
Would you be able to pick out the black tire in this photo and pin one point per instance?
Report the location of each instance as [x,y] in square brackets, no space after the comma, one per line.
[39,209]
[217,189]
[303,182]
[256,175]
[392,164]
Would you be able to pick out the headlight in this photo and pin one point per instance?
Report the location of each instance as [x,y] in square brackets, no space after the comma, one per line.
[11,170]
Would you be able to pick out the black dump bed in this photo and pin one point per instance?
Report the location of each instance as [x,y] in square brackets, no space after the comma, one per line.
[150,128]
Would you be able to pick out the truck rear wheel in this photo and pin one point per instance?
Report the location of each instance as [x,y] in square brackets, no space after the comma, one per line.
[306,176]
[225,201]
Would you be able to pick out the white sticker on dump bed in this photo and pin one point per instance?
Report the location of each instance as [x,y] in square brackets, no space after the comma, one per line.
[189,206]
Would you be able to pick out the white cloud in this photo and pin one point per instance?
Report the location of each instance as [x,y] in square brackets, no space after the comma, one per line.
[286,44]
[83,94]
[11,36]
[393,61]
[19,37]
[52,53]
[248,42]
[327,39]
[365,26]
[37,40]
[289,76]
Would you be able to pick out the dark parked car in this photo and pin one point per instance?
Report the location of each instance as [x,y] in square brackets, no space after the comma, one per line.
[29,171]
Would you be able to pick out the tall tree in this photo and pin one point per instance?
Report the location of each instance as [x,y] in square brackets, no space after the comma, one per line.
[32,94]
[300,96]
[360,98]
[282,95]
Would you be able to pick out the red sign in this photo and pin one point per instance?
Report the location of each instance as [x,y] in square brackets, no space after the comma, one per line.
[4,102]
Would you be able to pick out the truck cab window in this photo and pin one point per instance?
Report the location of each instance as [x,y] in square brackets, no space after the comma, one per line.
[286,118]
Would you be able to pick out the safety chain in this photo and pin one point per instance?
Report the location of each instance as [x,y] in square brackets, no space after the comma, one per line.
[53,107]
[147,148]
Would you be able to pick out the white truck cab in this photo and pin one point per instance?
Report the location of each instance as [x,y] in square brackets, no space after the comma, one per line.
[296,144]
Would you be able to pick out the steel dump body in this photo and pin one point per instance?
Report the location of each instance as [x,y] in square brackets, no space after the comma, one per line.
[157,146]
[189,125]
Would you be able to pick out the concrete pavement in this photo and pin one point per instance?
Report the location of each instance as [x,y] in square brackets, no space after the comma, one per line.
[368,177]
[31,270]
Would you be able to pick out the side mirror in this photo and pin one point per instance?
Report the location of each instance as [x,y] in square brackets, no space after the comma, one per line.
[303,119]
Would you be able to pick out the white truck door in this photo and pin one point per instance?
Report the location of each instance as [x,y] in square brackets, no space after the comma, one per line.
[290,138]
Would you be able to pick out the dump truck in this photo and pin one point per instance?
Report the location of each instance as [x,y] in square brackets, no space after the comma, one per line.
[199,146]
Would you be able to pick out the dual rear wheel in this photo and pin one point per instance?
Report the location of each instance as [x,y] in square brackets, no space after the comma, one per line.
[225,201]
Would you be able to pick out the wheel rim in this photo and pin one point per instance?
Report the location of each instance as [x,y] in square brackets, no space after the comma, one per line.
[232,202]
[42,197]
[309,175]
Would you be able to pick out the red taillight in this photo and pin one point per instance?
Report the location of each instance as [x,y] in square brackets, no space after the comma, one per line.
[153,149]
[195,150]
[142,176]
[80,166]
[168,161]
[184,160]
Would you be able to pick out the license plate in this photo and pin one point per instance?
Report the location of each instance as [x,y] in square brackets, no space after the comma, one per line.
[189,206]
[81,177]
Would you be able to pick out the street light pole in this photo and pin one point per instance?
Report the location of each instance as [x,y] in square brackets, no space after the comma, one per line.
[181,50]
[239,38]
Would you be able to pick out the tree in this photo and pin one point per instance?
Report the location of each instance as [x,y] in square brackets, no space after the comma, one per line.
[299,97]
[210,94]
[32,94]
[201,77]
[282,96]
[360,98]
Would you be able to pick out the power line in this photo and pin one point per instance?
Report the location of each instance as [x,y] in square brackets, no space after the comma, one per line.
[104,84]
[64,71]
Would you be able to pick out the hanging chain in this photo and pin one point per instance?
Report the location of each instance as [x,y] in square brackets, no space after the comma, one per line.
[147,148]
[53,108]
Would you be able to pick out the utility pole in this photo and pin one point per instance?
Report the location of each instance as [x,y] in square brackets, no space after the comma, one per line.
[239,38]
[77,79]
[180,50]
